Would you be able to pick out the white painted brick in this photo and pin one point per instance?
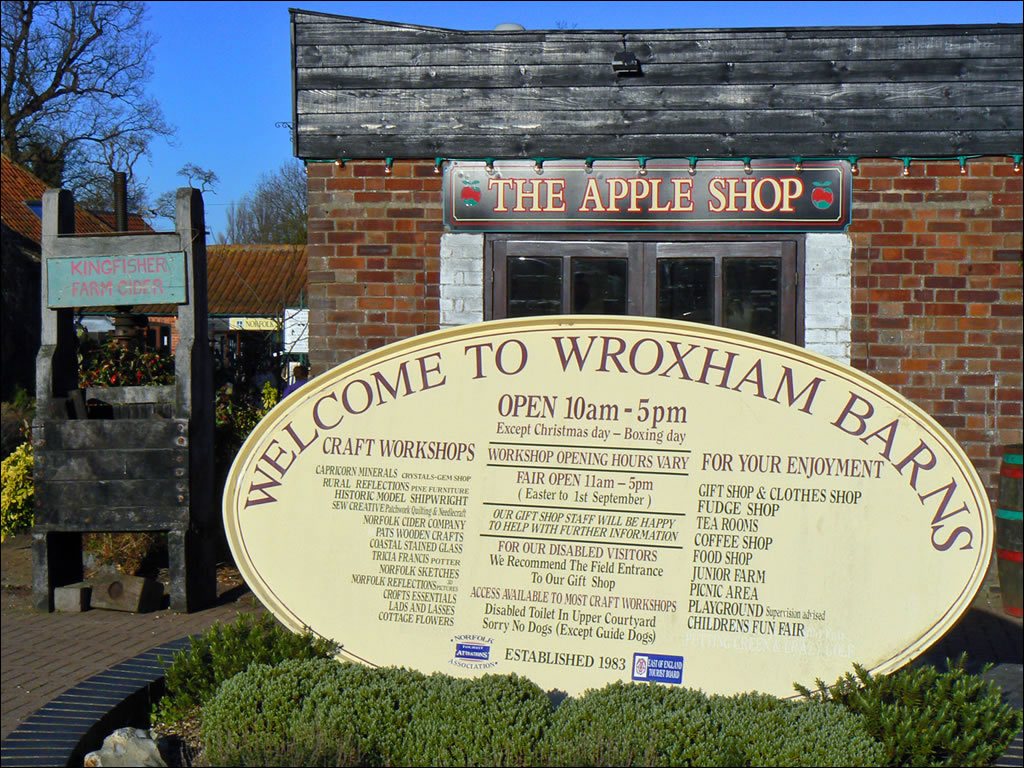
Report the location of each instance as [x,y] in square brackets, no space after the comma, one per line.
[461,271]
[460,291]
[828,307]
[838,352]
[462,278]
[455,319]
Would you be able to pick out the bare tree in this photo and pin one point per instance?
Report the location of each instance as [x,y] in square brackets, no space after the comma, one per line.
[274,212]
[197,177]
[74,106]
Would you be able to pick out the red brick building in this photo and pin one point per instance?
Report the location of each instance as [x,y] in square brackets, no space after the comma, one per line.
[923,289]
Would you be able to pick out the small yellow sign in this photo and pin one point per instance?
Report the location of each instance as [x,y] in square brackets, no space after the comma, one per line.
[254,324]
[581,500]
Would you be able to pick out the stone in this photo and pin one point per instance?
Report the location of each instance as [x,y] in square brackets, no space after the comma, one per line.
[72,598]
[118,592]
[124,747]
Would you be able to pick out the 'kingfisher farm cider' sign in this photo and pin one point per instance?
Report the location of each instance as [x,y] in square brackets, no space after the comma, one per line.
[103,281]
[663,195]
[588,499]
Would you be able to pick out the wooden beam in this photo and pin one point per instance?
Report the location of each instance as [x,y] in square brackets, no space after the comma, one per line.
[865,144]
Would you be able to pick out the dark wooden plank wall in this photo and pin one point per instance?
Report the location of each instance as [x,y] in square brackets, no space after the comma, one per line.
[102,475]
[366,89]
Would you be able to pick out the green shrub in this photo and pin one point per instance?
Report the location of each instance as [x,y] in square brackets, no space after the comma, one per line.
[492,720]
[258,718]
[630,724]
[324,713]
[374,706]
[761,730]
[310,712]
[320,712]
[626,724]
[222,652]
[238,415]
[17,492]
[926,717]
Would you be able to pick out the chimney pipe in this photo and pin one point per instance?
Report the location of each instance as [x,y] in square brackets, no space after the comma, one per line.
[121,200]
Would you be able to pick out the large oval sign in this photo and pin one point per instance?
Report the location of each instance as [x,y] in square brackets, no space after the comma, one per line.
[587,499]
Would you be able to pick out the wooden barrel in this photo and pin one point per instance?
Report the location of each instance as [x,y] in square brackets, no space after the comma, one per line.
[1008,528]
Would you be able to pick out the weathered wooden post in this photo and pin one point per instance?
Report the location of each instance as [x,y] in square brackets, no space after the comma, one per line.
[150,467]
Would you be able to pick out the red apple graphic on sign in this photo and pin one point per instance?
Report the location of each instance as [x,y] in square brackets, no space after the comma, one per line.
[471,193]
[822,196]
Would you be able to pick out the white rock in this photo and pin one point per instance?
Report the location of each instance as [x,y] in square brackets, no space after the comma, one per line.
[126,747]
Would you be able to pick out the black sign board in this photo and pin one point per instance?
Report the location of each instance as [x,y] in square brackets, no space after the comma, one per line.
[656,196]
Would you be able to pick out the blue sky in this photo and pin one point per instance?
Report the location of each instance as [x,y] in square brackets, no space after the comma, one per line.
[222,70]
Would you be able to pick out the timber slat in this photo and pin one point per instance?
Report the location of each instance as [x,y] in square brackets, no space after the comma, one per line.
[686,47]
[97,434]
[657,73]
[767,97]
[366,89]
[77,498]
[110,464]
[648,121]
[149,517]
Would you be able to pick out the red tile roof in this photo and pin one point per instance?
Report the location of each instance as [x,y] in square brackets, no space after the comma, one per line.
[18,186]
[257,280]
[135,222]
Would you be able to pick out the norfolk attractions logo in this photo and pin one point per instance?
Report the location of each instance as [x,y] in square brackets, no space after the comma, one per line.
[472,652]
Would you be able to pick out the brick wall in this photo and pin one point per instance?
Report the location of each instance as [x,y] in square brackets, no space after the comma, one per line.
[935,266]
[374,246]
[937,294]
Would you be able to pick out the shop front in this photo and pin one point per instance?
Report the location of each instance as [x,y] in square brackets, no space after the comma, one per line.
[855,191]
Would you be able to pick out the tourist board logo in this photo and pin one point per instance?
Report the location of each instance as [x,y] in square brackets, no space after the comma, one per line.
[655,668]
[473,652]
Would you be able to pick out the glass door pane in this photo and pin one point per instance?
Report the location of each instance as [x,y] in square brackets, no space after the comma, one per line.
[751,295]
[534,286]
[686,289]
[600,286]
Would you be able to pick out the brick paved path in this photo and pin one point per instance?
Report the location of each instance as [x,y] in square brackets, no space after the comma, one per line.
[42,655]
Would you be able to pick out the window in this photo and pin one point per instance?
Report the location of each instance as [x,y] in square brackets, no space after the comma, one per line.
[749,284]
